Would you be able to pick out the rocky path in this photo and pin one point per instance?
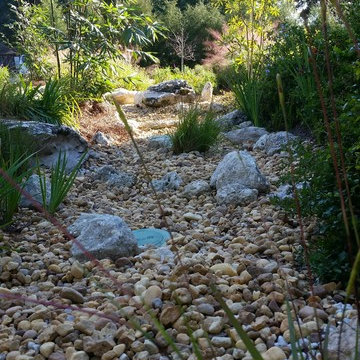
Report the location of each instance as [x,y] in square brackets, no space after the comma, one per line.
[247,251]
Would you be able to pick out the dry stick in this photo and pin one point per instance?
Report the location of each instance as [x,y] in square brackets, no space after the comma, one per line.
[14,296]
[299,213]
[333,107]
[341,152]
[147,173]
[336,118]
[331,141]
[296,196]
[333,154]
[347,25]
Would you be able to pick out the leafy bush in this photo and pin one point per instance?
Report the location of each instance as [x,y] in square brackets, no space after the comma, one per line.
[52,104]
[196,77]
[196,131]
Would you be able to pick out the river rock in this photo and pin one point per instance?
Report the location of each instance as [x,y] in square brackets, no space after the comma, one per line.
[274,142]
[245,137]
[170,181]
[160,142]
[114,177]
[101,139]
[196,188]
[176,86]
[103,236]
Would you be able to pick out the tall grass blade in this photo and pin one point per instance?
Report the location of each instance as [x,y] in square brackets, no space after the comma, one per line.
[239,329]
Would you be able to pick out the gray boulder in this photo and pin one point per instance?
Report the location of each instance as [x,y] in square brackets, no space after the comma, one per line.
[103,236]
[236,194]
[246,136]
[236,177]
[207,92]
[231,119]
[176,86]
[170,181]
[160,142]
[48,140]
[158,99]
[32,186]
[239,167]
[196,188]
[274,142]
[114,177]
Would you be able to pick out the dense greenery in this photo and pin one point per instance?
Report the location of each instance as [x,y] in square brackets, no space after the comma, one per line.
[51,103]
[187,29]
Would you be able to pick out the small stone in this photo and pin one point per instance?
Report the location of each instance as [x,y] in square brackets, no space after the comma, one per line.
[192,217]
[274,353]
[206,309]
[170,314]
[119,349]
[77,270]
[183,339]
[221,341]
[150,347]
[244,277]
[152,293]
[64,329]
[47,348]
[72,294]
[260,322]
[224,269]
[85,326]
[213,324]
[182,296]
[79,355]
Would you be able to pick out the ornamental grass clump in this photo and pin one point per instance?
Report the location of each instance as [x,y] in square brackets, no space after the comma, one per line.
[196,131]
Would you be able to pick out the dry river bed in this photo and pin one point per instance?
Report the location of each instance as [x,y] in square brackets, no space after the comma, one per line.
[247,252]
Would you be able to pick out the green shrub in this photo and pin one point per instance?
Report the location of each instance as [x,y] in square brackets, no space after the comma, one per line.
[196,132]
[196,77]
[53,104]
[319,198]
